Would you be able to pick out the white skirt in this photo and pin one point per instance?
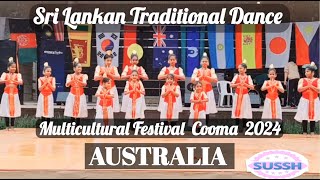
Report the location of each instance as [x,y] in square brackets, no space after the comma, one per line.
[83,110]
[202,118]
[99,114]
[163,107]
[115,100]
[140,108]
[303,110]
[267,113]
[4,107]
[211,107]
[246,110]
[40,105]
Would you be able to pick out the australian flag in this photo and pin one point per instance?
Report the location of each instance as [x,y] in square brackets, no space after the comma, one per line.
[165,38]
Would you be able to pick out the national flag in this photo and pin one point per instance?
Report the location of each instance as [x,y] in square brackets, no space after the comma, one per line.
[249,45]
[306,42]
[53,52]
[108,38]
[278,38]
[129,37]
[193,49]
[59,31]
[2,28]
[165,38]
[23,32]
[44,31]
[221,46]
[80,43]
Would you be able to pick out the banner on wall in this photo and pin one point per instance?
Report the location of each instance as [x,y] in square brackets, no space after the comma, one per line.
[53,52]
[165,38]
[80,43]
[278,38]
[23,32]
[221,44]
[130,37]
[108,38]
[249,45]
[307,42]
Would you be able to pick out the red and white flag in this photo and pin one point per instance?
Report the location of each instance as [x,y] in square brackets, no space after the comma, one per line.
[278,37]
[59,31]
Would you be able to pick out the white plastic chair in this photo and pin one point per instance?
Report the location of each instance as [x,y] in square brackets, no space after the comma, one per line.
[224,90]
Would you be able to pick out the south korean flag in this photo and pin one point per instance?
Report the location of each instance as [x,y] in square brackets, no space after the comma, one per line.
[107,38]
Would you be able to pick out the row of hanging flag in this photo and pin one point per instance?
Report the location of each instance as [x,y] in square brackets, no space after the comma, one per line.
[229,45]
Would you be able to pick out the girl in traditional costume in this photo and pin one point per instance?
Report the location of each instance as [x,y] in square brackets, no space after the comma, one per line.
[105,106]
[76,103]
[126,75]
[206,76]
[110,72]
[198,107]
[135,105]
[309,105]
[10,107]
[241,106]
[272,105]
[46,86]
[168,105]
[178,75]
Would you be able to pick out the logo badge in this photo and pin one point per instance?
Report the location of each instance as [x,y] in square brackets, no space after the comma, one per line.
[277,164]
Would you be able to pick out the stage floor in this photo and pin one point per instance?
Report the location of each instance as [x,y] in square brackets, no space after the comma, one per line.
[23,154]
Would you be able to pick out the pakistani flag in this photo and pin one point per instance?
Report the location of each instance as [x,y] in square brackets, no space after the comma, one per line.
[107,38]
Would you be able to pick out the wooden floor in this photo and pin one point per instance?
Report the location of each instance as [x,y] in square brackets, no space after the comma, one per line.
[21,151]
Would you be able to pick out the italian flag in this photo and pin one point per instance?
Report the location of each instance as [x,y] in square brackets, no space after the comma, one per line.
[249,45]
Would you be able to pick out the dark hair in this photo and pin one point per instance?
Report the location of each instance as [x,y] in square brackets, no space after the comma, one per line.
[105,80]
[10,63]
[244,65]
[195,84]
[134,71]
[108,56]
[172,55]
[45,68]
[272,69]
[171,76]
[75,63]
[134,55]
[311,68]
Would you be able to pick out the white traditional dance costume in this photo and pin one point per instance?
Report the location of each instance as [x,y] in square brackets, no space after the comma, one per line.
[76,103]
[127,71]
[135,105]
[10,103]
[198,110]
[241,106]
[176,71]
[272,105]
[45,106]
[207,87]
[105,106]
[102,71]
[168,106]
[309,105]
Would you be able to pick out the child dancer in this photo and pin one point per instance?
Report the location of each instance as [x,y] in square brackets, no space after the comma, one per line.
[110,72]
[198,100]
[135,105]
[105,107]
[309,105]
[10,107]
[76,103]
[177,73]
[241,106]
[168,105]
[206,76]
[126,74]
[272,105]
[46,86]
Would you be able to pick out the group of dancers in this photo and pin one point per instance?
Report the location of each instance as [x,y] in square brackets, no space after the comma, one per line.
[170,103]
